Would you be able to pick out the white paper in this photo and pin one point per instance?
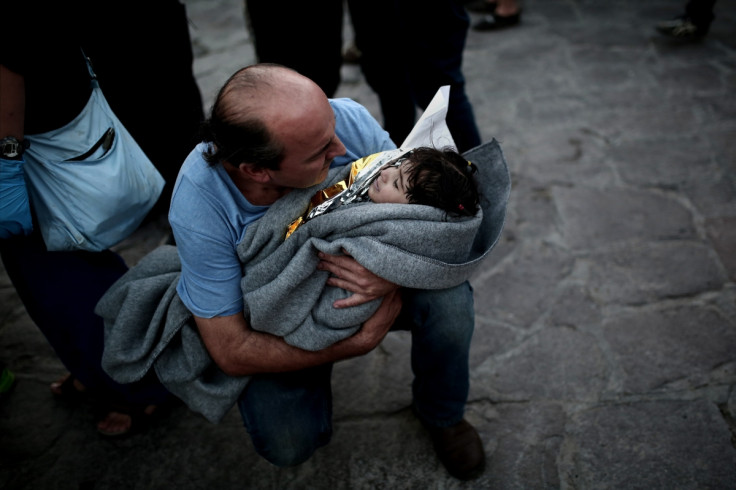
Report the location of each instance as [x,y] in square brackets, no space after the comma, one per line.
[431,129]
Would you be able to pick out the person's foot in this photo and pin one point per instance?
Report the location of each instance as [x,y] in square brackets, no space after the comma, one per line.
[681,28]
[460,449]
[67,387]
[125,421]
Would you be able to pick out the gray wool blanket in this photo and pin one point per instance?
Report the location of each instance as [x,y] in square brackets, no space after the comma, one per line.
[147,326]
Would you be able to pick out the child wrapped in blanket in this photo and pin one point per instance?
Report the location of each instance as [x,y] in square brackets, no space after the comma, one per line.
[426,246]
[427,176]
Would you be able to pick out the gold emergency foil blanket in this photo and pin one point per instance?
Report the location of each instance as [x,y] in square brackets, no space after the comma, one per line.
[362,173]
[319,198]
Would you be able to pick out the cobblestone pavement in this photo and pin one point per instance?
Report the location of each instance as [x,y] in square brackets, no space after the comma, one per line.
[605,346]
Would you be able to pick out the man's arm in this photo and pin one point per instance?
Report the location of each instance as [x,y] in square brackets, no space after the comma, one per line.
[240,351]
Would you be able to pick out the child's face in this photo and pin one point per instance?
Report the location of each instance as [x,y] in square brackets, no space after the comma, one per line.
[391,184]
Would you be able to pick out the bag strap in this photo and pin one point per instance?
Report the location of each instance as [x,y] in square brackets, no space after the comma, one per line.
[92,74]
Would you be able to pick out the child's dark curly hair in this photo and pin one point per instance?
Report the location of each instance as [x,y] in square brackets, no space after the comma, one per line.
[443,179]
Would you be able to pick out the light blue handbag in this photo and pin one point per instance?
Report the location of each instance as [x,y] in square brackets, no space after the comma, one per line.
[89,182]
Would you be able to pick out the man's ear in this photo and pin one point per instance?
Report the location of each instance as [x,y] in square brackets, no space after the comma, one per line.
[255,174]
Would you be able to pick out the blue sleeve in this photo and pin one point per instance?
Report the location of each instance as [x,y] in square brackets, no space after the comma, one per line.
[359,131]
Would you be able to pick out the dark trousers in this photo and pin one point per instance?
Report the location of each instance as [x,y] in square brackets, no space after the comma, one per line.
[144,65]
[59,291]
[410,48]
[305,36]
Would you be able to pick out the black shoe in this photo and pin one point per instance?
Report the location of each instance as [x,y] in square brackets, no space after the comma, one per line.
[493,22]
[481,6]
[681,28]
[460,449]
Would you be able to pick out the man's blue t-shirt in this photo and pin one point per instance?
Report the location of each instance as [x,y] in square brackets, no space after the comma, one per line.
[209,215]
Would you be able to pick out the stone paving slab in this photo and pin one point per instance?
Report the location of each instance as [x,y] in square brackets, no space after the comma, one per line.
[605,348]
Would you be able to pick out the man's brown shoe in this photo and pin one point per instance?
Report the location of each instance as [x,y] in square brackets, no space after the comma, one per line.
[460,449]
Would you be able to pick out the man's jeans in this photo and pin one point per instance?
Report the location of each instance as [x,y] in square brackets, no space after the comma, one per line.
[289,415]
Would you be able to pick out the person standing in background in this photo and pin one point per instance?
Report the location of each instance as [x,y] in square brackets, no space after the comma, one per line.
[143,61]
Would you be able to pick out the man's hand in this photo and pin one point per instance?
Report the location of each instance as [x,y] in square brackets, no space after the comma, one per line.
[348,274]
[377,326]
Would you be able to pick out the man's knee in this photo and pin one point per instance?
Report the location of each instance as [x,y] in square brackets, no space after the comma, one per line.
[451,305]
[288,415]
[291,448]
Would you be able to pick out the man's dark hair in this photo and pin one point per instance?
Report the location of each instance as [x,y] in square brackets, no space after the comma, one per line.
[443,179]
[236,130]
